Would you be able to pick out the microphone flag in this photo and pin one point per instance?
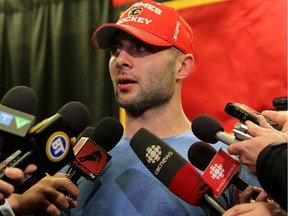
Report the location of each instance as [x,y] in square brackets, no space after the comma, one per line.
[90,158]
[220,171]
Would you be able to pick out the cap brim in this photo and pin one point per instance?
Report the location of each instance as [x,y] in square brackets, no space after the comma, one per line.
[103,34]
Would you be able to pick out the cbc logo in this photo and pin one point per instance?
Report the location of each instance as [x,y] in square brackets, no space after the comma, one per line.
[217,171]
[153,154]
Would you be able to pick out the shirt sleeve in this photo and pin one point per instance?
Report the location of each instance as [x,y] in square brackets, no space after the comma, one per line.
[6,210]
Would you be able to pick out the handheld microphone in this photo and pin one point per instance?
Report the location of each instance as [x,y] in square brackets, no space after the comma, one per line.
[21,98]
[91,155]
[203,156]
[17,110]
[177,174]
[208,129]
[49,141]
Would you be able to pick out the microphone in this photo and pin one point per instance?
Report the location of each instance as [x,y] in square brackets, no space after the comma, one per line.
[21,98]
[177,174]
[208,129]
[17,110]
[91,155]
[48,142]
[203,156]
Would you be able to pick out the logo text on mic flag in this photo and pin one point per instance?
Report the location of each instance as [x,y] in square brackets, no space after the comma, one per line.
[90,158]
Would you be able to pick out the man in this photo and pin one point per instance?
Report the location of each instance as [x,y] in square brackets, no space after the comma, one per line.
[151,50]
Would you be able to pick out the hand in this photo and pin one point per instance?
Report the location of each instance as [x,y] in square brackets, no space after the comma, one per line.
[45,196]
[256,209]
[16,177]
[263,136]
[245,195]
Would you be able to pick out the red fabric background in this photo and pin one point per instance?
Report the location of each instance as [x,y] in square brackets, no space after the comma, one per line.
[241,56]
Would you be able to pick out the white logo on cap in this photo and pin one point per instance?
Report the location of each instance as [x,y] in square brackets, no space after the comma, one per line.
[176,33]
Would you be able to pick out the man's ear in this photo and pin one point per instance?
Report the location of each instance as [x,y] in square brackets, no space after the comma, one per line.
[186,63]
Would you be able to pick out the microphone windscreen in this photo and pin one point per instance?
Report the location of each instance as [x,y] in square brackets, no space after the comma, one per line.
[205,128]
[200,154]
[76,116]
[21,98]
[107,133]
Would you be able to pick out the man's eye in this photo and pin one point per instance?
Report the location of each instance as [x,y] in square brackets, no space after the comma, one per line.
[114,50]
[141,47]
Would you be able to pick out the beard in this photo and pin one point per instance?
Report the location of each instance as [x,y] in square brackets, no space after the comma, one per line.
[153,94]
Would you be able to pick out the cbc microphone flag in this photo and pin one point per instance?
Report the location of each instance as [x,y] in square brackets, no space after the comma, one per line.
[220,171]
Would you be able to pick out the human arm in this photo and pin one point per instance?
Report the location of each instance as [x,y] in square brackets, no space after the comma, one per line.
[45,196]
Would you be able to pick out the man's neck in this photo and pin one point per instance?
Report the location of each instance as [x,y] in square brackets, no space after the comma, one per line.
[162,122]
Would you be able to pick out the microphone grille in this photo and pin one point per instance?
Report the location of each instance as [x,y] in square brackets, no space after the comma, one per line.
[21,98]
[200,154]
[107,133]
[76,116]
[205,128]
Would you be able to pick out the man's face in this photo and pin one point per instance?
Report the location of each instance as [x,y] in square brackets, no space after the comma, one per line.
[143,76]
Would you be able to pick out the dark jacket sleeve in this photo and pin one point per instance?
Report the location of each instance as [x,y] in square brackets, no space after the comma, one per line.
[271,168]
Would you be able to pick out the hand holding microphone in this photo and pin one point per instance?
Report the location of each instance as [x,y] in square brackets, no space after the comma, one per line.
[49,141]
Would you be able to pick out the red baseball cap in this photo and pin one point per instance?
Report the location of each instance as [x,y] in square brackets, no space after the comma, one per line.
[151,22]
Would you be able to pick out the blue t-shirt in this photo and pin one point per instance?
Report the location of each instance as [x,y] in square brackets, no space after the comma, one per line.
[128,188]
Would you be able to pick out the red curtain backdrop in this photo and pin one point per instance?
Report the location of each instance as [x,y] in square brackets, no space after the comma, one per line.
[241,55]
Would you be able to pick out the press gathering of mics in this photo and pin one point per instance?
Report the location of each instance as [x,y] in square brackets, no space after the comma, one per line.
[48,145]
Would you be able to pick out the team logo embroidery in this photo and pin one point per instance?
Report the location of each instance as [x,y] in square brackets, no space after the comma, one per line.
[135,11]
[153,154]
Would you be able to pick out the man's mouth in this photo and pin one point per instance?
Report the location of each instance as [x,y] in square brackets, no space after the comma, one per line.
[125,82]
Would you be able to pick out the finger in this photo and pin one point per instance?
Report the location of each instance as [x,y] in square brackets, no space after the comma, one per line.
[263,123]
[2,198]
[246,194]
[52,210]
[263,196]
[30,168]
[276,116]
[58,199]
[15,174]
[238,209]
[6,189]
[64,184]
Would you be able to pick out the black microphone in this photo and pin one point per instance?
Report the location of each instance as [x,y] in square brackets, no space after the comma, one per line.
[200,154]
[21,98]
[177,174]
[91,155]
[48,143]
[208,129]
[17,110]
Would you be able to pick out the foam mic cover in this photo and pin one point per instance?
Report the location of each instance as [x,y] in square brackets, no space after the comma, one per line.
[208,129]
[21,98]
[200,154]
[169,167]
[76,117]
